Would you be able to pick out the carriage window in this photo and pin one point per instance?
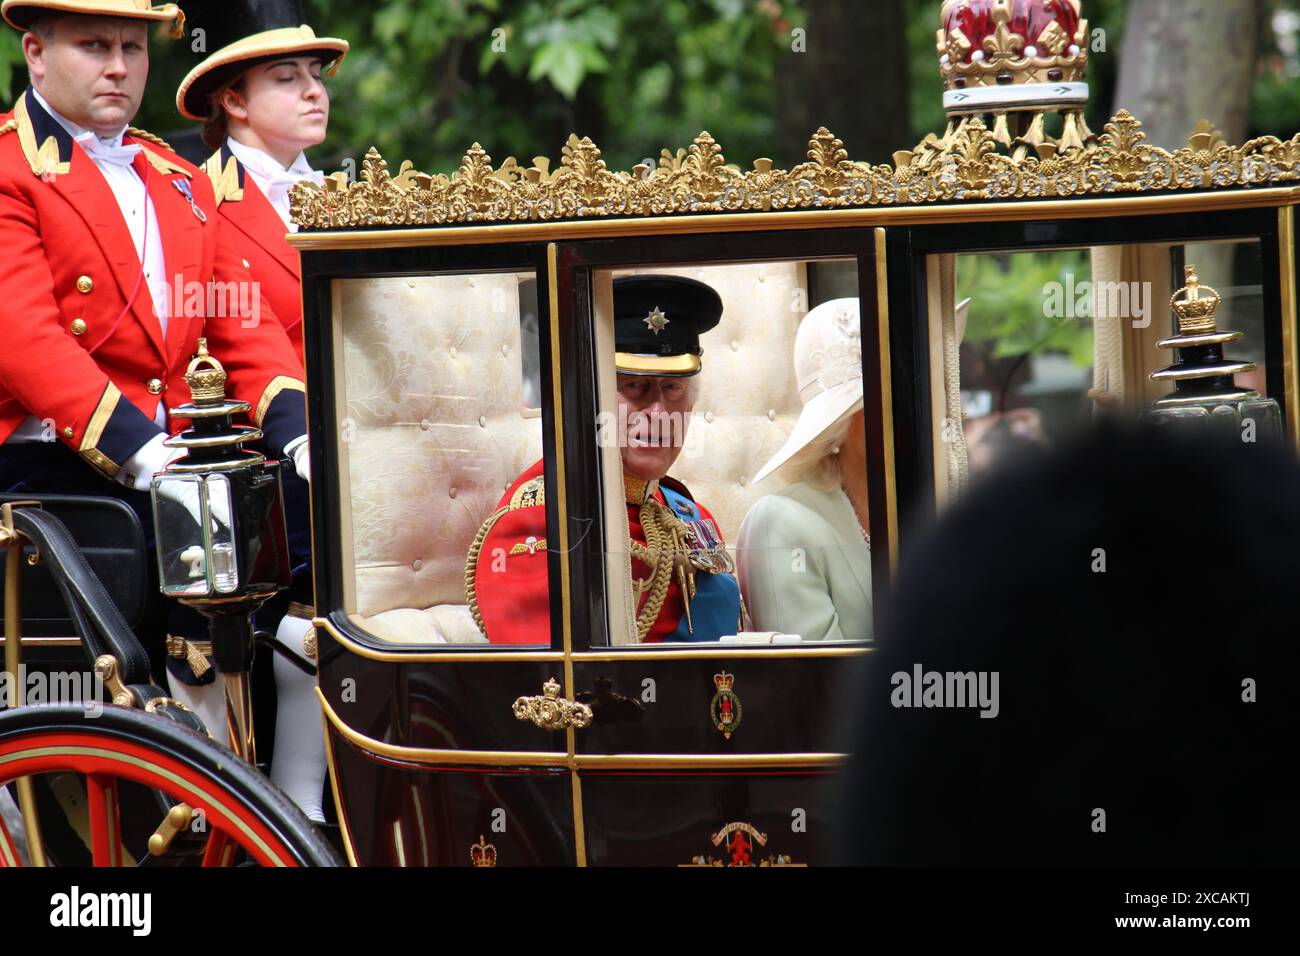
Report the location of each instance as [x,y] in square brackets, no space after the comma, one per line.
[1027,346]
[733,447]
[443,520]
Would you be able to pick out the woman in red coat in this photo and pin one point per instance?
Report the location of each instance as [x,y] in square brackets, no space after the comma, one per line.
[260,97]
[262,103]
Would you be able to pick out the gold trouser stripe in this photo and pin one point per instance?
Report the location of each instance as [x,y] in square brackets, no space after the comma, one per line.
[195,653]
[280,383]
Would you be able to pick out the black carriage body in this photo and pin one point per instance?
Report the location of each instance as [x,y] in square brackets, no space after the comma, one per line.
[430,765]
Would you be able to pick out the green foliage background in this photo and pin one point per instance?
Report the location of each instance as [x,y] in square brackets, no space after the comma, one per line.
[426,78]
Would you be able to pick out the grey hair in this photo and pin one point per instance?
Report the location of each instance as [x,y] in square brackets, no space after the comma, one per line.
[819,464]
[693,388]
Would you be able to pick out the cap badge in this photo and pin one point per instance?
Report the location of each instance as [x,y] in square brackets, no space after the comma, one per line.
[656,321]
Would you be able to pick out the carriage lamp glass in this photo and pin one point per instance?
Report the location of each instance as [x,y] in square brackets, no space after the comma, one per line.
[219,511]
[1205,389]
[193,518]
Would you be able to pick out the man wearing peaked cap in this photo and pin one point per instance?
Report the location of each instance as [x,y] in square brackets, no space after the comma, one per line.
[106,231]
[683,585]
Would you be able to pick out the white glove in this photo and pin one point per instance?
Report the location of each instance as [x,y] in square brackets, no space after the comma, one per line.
[137,471]
[301,455]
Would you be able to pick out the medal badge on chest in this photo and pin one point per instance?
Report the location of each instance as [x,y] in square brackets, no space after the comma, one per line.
[183,187]
[708,553]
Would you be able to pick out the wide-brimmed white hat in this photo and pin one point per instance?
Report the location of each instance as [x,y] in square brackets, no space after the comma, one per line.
[828,372]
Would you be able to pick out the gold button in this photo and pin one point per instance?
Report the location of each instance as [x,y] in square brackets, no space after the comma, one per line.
[85,284]
[67,432]
[78,327]
[155,386]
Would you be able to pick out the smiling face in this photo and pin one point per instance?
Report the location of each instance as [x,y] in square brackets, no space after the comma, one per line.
[91,70]
[657,410]
[281,107]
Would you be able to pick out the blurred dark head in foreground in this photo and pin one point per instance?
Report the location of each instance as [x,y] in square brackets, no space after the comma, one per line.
[1128,592]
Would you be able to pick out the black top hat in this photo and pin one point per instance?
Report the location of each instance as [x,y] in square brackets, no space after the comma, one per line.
[242,33]
[658,321]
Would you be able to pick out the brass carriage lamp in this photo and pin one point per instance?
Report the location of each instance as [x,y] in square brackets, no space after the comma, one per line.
[1205,389]
[220,530]
[218,511]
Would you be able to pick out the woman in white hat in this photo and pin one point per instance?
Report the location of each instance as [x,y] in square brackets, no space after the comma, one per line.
[803,554]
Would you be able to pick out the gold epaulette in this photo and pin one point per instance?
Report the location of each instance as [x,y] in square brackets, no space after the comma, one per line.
[471,566]
[224,179]
[149,137]
[9,126]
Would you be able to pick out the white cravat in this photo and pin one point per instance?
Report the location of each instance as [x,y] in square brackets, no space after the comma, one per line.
[273,179]
[114,162]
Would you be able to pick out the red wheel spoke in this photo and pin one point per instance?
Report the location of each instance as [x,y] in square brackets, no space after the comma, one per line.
[105,821]
[141,750]
[8,850]
[220,850]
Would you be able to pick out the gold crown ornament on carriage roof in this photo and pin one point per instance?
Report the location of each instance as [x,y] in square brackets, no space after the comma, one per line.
[1007,65]
[1012,54]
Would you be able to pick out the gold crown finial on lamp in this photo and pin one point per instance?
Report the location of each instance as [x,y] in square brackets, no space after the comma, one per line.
[1196,312]
[207,385]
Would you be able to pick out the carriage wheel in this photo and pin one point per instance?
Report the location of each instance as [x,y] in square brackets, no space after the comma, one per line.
[242,810]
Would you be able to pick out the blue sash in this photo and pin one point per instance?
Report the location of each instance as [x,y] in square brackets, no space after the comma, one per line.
[715,609]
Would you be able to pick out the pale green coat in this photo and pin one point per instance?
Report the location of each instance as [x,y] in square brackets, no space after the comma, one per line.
[804,567]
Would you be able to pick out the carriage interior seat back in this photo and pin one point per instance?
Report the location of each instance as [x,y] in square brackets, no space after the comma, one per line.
[433,430]
[748,400]
[434,427]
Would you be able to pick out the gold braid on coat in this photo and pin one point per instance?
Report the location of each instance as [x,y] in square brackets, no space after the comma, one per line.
[665,538]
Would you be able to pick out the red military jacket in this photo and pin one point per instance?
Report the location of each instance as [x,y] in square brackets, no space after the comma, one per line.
[259,232]
[506,574]
[71,350]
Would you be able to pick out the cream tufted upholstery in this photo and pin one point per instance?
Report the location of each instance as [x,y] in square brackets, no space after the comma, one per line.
[434,430]
[748,401]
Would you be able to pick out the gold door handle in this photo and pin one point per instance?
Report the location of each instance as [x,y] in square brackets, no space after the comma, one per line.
[551,711]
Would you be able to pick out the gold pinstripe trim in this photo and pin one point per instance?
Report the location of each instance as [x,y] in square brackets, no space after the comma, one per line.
[281,383]
[225,181]
[574,761]
[43,158]
[1290,358]
[89,448]
[186,786]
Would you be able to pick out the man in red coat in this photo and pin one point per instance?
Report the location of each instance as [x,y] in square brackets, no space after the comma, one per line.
[111,242]
[682,577]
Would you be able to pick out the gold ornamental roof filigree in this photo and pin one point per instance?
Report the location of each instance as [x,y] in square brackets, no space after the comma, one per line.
[970,162]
